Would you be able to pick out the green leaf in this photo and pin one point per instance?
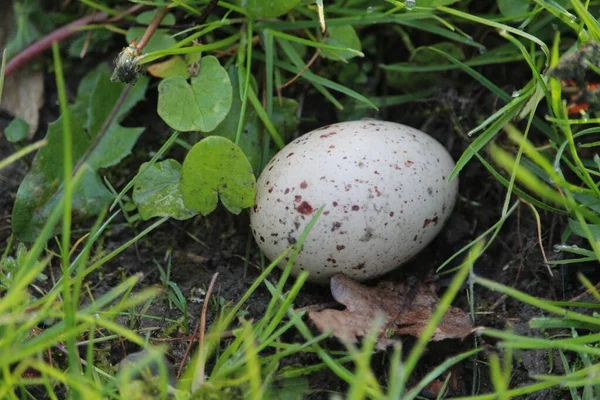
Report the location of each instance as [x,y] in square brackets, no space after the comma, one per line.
[511,8]
[42,186]
[16,131]
[268,8]
[157,191]
[25,30]
[199,106]
[215,167]
[288,389]
[341,36]
[147,16]
[579,230]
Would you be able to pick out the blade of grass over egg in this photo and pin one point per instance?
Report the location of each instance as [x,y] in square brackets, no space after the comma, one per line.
[441,308]
[163,149]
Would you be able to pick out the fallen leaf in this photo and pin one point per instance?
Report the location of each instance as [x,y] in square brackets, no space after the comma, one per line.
[406,309]
[23,93]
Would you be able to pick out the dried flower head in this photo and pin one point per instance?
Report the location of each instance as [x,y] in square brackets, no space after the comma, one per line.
[127,69]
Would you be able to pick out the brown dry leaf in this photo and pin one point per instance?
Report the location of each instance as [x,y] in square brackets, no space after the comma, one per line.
[406,310]
[23,94]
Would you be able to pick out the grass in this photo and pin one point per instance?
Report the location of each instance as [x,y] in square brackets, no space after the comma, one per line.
[531,145]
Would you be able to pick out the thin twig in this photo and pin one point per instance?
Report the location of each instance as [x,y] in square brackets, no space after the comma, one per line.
[539,232]
[199,327]
[43,44]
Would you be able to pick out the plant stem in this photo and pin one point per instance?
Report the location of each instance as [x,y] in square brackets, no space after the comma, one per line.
[160,14]
[45,43]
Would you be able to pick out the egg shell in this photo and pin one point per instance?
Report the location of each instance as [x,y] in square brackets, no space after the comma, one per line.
[384,191]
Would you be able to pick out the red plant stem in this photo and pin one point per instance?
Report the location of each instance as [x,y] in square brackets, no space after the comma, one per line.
[152,28]
[62,33]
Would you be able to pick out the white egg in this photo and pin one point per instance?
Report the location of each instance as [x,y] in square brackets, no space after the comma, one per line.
[384,191]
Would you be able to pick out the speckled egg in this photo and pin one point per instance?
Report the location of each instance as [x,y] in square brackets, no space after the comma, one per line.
[384,191]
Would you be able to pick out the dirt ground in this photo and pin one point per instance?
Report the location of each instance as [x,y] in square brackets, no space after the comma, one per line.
[218,243]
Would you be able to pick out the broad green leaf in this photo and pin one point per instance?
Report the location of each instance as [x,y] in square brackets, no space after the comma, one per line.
[42,186]
[579,231]
[285,116]
[216,168]
[147,16]
[197,106]
[268,8]
[341,36]
[157,192]
[287,389]
[25,31]
[16,131]
[161,39]
[511,8]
